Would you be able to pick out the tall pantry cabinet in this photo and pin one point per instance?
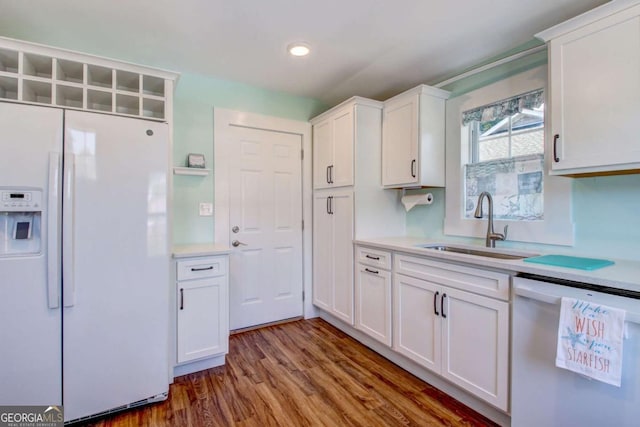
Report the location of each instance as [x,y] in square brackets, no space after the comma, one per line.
[348,200]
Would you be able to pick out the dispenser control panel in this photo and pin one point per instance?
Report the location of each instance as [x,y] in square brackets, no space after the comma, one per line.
[20,200]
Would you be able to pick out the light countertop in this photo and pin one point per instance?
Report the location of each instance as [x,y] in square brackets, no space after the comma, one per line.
[623,274]
[210,249]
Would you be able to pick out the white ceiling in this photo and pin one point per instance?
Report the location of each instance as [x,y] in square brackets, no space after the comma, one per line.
[372,48]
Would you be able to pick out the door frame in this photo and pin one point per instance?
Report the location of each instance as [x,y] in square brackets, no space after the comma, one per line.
[222,120]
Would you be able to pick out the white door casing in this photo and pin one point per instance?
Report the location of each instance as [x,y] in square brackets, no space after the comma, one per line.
[257,158]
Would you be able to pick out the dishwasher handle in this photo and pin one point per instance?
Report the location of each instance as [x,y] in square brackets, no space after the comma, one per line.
[526,292]
[547,292]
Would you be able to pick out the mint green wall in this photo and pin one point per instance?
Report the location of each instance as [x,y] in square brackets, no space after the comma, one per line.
[606,210]
[500,72]
[195,98]
[606,215]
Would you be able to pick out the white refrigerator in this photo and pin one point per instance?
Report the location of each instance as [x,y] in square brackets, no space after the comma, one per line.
[84,260]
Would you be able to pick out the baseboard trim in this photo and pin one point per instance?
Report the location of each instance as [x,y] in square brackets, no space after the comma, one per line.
[264,325]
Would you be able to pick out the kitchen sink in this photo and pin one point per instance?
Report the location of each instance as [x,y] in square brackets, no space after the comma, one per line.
[489,253]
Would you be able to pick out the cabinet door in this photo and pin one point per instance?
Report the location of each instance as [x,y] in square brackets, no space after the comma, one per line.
[202,318]
[595,95]
[475,345]
[341,172]
[400,162]
[322,252]
[342,253]
[373,302]
[416,324]
[322,153]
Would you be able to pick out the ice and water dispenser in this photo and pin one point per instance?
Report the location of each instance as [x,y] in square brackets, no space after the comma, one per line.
[20,221]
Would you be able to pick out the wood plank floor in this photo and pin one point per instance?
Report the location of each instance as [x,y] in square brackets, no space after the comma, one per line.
[304,373]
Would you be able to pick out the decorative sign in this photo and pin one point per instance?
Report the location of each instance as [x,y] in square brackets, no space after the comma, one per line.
[195,160]
[590,340]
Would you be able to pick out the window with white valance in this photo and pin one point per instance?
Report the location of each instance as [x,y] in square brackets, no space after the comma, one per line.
[496,141]
[506,156]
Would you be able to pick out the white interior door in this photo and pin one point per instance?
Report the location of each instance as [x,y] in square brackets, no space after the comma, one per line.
[265,219]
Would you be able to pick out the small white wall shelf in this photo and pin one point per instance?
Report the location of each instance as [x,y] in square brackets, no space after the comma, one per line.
[179,170]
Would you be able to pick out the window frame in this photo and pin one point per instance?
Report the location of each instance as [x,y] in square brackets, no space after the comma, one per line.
[475,141]
[557,226]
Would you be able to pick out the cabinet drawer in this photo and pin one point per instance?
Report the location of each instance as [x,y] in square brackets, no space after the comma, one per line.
[198,268]
[373,257]
[484,282]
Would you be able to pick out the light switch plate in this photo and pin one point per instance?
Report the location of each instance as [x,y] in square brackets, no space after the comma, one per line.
[206,209]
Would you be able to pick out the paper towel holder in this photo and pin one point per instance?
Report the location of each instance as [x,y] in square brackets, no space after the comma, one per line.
[429,195]
[410,201]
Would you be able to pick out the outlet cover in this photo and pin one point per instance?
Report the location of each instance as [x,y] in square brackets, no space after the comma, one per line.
[206,209]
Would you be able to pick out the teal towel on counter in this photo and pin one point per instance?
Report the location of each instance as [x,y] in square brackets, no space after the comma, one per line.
[570,261]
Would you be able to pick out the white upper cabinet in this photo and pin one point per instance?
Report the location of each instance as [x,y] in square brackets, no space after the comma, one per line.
[413,139]
[333,147]
[594,73]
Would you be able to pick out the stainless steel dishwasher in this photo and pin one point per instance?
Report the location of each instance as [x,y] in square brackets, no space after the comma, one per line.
[544,395]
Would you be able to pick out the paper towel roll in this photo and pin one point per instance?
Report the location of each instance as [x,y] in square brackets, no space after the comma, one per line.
[416,199]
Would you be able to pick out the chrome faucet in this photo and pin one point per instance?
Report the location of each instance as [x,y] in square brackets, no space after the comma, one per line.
[492,236]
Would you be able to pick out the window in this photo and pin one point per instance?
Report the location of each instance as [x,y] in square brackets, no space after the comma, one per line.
[555,226]
[516,135]
[506,158]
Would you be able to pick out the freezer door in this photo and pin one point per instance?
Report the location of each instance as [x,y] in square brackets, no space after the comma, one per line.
[115,262]
[30,318]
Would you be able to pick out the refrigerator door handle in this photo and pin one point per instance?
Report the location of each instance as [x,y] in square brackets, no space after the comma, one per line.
[68,285]
[53,261]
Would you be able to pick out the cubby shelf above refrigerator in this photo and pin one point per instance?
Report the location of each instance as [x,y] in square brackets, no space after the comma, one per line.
[36,74]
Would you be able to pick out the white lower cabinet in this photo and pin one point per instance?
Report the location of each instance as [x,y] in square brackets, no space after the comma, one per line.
[202,313]
[475,345]
[333,253]
[417,331]
[373,294]
[460,335]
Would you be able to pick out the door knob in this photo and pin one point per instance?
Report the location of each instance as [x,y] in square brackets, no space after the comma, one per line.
[237,243]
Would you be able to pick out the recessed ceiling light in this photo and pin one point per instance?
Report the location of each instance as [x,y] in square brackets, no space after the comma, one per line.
[299,49]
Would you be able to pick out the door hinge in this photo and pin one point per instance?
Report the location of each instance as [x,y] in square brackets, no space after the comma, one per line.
[302,296]
[301,154]
[303,225]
